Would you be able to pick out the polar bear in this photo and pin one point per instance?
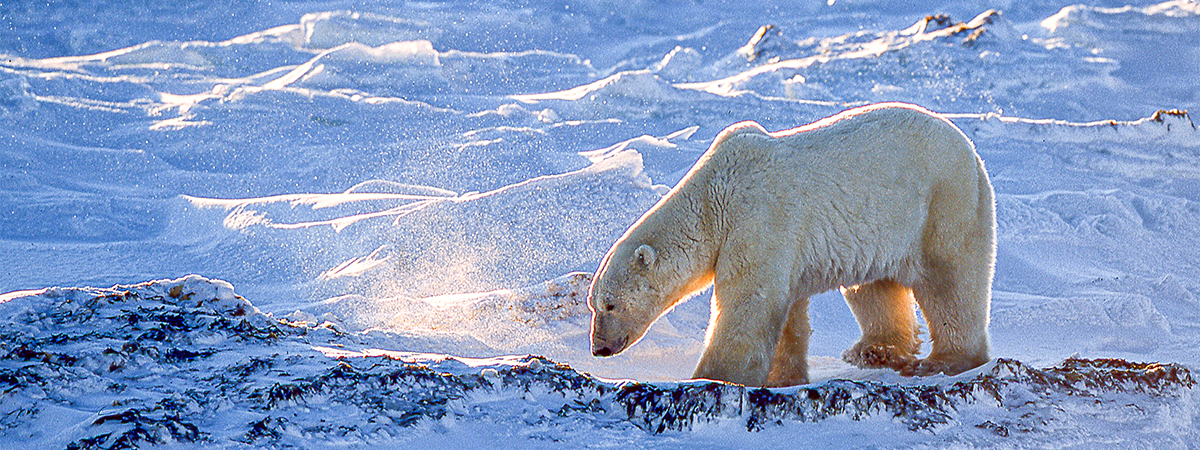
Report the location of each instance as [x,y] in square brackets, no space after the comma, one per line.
[888,202]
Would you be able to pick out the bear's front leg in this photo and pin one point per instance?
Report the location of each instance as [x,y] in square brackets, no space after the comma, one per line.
[743,333]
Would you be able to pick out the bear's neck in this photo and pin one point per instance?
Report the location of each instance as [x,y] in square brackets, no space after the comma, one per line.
[690,214]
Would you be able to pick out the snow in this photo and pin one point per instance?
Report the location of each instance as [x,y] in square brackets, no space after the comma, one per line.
[424,188]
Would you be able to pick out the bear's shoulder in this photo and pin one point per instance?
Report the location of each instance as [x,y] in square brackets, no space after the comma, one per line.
[741,129]
[739,136]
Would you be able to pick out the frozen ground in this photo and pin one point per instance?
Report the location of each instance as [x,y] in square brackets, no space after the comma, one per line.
[387,182]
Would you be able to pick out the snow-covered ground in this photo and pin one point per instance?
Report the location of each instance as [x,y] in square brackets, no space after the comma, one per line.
[387,183]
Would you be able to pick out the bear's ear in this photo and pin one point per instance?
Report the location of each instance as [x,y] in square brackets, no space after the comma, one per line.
[645,255]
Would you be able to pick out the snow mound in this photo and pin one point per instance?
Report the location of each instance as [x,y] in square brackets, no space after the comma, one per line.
[187,360]
[639,94]
[329,29]
[112,368]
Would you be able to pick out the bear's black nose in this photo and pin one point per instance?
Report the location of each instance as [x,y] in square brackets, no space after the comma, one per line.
[604,352]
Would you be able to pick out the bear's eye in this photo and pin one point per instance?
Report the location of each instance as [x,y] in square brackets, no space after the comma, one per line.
[645,255]
[610,307]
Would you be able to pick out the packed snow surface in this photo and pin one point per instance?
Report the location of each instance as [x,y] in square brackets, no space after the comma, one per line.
[409,199]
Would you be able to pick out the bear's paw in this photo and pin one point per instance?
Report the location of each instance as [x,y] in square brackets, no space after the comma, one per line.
[934,365]
[869,355]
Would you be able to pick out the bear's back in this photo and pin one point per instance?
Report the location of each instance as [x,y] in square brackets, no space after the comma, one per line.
[854,189]
[886,135]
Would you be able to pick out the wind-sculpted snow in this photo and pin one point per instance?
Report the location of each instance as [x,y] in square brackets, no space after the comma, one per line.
[188,361]
[102,145]
[406,237]
[1140,189]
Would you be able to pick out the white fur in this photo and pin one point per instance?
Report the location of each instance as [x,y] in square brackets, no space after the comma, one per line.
[889,202]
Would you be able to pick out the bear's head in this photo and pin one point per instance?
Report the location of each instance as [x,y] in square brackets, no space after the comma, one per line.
[626,297]
[639,281]
[665,257]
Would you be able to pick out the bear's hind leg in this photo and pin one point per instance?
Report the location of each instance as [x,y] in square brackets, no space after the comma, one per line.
[790,365]
[885,314]
[955,304]
[955,290]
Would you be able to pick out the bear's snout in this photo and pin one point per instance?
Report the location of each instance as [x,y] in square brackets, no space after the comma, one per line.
[605,350]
